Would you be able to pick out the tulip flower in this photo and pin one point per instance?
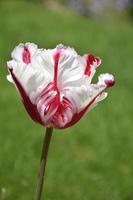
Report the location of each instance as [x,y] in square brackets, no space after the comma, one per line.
[55,84]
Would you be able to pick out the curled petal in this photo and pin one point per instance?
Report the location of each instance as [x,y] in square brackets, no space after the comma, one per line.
[95,94]
[90,63]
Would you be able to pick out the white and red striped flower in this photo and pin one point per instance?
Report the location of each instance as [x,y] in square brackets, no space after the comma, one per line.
[55,84]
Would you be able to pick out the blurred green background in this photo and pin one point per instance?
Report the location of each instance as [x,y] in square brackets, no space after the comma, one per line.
[93,160]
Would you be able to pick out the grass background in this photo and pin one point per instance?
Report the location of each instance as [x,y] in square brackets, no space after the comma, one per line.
[93,160]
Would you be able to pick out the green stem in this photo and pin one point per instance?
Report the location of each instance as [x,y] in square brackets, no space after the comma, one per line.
[43,161]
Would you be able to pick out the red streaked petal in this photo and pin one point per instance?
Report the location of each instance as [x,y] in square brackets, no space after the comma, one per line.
[47,102]
[24,52]
[91,61]
[56,61]
[63,114]
[79,115]
[30,108]
[108,81]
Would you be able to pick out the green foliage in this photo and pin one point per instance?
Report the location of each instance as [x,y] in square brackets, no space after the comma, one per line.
[92,160]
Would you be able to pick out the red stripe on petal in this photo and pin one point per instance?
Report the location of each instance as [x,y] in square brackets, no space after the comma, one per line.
[30,108]
[63,115]
[47,102]
[56,61]
[26,57]
[91,60]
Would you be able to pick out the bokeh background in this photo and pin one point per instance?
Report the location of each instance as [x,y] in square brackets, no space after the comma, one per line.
[93,160]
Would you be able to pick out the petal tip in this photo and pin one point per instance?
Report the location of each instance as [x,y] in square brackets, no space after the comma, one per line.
[109,83]
[23,52]
[107,79]
[9,78]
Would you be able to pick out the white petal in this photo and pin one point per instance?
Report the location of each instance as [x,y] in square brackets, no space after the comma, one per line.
[32,48]
[33,77]
[48,62]
[70,69]
[88,94]
[85,95]
[18,51]
[101,97]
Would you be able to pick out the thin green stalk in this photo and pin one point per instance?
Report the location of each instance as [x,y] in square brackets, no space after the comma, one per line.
[43,161]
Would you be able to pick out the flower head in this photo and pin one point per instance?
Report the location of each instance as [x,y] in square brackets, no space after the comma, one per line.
[55,84]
